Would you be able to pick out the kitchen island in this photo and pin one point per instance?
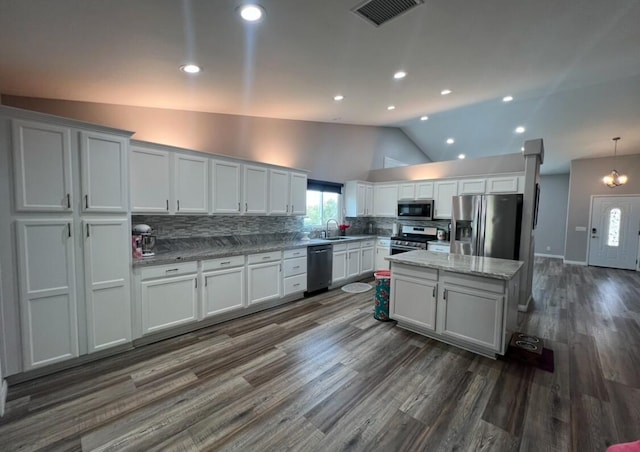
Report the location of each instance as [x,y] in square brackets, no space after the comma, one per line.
[467,301]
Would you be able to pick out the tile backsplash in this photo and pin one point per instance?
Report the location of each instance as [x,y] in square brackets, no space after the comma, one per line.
[188,226]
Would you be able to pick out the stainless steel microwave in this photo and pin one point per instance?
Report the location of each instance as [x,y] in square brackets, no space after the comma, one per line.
[416,210]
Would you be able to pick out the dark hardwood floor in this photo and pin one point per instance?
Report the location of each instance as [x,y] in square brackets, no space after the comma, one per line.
[322,374]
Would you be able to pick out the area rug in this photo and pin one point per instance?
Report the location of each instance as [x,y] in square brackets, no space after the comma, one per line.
[356,287]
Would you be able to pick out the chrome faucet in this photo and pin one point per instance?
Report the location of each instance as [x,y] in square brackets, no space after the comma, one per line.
[328,221]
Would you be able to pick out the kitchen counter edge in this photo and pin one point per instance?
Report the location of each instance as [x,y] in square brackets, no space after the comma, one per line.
[174,257]
[471,265]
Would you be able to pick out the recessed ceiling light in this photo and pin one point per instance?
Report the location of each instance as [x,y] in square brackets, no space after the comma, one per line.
[338,97]
[400,74]
[190,68]
[444,92]
[520,129]
[522,148]
[462,156]
[450,141]
[507,98]
[424,118]
[391,107]
[251,13]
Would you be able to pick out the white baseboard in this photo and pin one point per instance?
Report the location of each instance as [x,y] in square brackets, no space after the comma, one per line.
[3,396]
[553,256]
[525,307]
[574,262]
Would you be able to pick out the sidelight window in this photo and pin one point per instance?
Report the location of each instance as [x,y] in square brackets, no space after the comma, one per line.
[613,237]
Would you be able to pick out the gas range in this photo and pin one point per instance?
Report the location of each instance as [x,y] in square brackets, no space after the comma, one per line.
[413,238]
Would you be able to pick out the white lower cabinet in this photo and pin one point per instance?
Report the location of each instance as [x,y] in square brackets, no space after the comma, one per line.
[474,312]
[367,256]
[413,300]
[107,282]
[223,286]
[169,296]
[294,271]
[383,249]
[47,291]
[264,277]
[353,259]
[471,315]
[339,269]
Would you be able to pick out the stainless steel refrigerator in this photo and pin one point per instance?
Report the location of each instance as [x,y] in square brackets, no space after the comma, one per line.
[486,225]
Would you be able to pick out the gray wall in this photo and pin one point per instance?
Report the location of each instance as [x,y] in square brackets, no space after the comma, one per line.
[333,152]
[586,180]
[510,163]
[552,214]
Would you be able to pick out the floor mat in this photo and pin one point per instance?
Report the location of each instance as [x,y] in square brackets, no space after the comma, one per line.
[356,287]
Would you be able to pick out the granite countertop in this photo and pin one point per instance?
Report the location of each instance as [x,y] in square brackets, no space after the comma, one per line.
[471,265]
[213,252]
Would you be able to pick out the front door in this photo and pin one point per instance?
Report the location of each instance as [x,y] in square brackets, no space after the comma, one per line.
[615,225]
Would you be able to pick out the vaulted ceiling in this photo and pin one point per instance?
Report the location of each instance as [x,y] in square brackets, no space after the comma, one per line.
[573,67]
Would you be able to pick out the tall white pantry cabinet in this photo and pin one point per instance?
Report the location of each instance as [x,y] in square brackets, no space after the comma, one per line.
[65,232]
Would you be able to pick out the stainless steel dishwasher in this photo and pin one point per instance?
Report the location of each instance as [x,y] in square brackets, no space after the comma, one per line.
[319,267]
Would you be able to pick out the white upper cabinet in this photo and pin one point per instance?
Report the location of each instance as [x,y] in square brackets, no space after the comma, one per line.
[407,191]
[225,186]
[358,199]
[444,192]
[42,160]
[278,192]
[424,190]
[505,184]
[107,285]
[191,184]
[471,186]
[47,290]
[385,200]
[415,190]
[150,180]
[255,189]
[298,198]
[104,172]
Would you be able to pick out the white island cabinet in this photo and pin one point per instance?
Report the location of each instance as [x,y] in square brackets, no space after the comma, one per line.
[467,301]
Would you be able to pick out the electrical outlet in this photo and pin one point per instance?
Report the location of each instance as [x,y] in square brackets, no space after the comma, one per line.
[548,248]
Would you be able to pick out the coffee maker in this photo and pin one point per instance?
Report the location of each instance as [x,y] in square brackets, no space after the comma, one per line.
[147,239]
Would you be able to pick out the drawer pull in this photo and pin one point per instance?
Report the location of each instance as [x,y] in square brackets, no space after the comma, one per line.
[266,257]
[297,266]
[225,263]
[172,270]
[296,285]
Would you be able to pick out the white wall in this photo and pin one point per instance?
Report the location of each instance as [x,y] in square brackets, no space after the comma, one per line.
[552,215]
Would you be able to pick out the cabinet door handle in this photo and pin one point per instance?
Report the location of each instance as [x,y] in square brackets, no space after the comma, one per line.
[69,229]
[444,294]
[88,233]
[286,209]
[238,207]
[196,280]
[167,205]
[246,206]
[291,208]
[178,204]
[86,201]
[434,292]
[68,201]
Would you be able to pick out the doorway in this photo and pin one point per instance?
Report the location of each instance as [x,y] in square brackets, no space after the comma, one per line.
[615,229]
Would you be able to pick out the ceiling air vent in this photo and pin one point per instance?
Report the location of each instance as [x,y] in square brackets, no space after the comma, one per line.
[378,12]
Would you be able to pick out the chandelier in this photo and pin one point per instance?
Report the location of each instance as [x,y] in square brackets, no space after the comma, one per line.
[614,179]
